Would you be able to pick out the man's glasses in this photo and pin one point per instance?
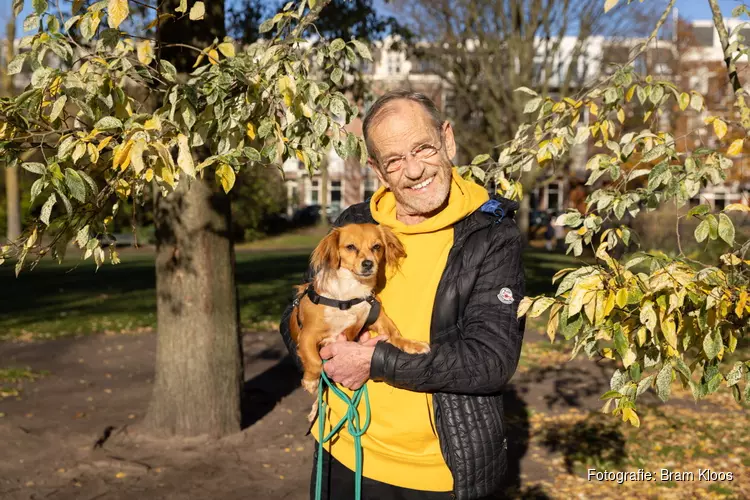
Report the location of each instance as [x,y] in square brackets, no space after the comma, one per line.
[421,153]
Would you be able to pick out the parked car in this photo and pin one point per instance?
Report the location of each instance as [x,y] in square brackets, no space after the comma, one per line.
[309,215]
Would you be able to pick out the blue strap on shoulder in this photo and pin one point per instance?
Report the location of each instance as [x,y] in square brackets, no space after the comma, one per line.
[493,207]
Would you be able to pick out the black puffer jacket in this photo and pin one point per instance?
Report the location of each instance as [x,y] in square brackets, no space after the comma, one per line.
[475,341]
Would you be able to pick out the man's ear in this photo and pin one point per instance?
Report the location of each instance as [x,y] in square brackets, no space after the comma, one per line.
[326,254]
[449,139]
[394,250]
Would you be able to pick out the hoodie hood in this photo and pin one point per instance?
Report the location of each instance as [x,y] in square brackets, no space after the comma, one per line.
[464,198]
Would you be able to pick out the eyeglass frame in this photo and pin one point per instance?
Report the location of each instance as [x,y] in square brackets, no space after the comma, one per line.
[413,153]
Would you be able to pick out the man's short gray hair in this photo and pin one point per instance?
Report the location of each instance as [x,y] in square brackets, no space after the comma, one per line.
[429,106]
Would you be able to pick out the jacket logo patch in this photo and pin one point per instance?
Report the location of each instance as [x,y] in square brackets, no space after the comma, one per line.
[505,296]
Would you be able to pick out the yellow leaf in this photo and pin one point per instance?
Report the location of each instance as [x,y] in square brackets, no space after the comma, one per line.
[607,353]
[609,5]
[646,116]
[226,48]
[225,175]
[149,175]
[524,305]
[629,415]
[684,101]
[709,120]
[668,328]
[120,475]
[621,116]
[630,93]
[103,143]
[739,207]
[167,175]
[197,11]
[622,297]
[213,56]
[145,52]
[153,123]
[610,304]
[184,155]
[594,109]
[251,131]
[554,321]
[736,147]
[640,335]
[118,11]
[720,128]
[121,157]
[136,155]
[741,303]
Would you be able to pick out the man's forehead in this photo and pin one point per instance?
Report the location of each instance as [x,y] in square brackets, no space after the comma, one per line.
[402,123]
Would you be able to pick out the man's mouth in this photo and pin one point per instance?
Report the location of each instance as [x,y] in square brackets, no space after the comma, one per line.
[422,185]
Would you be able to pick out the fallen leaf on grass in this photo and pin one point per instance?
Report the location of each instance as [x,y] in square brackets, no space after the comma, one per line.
[120,475]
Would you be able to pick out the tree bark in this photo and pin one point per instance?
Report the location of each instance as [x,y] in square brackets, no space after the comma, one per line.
[198,361]
[12,189]
[199,370]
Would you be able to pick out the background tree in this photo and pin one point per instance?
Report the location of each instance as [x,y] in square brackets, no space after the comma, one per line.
[101,140]
[484,50]
[12,188]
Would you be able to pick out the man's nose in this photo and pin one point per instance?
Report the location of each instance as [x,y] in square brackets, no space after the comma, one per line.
[413,168]
[367,265]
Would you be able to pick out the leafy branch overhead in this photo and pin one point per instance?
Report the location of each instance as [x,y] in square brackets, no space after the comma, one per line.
[106,118]
[661,317]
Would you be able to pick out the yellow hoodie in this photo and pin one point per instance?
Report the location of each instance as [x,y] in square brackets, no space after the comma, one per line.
[401,445]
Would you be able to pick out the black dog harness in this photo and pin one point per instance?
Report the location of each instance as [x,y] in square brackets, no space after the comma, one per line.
[342,305]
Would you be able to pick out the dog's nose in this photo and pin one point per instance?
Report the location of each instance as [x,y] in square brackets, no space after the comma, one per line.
[367,265]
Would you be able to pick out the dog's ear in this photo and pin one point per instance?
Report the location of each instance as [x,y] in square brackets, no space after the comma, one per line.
[394,250]
[326,254]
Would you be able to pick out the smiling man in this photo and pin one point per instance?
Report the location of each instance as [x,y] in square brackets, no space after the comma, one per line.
[437,426]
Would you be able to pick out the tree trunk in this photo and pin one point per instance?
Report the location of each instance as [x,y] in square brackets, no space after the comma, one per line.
[324,192]
[199,372]
[523,216]
[12,189]
[198,360]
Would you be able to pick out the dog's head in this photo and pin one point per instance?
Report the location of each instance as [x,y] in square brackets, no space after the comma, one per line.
[364,249]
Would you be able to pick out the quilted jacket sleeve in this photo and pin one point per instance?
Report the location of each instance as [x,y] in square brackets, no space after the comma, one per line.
[485,355]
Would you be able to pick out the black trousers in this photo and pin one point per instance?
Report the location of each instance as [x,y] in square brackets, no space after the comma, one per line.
[338,484]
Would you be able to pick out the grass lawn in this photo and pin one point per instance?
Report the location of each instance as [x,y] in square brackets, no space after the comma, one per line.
[74,299]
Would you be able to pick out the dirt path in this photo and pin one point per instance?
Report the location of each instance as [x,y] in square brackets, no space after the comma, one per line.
[104,382]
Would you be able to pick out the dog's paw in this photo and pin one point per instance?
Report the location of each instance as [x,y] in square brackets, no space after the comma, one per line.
[311,386]
[313,412]
[417,348]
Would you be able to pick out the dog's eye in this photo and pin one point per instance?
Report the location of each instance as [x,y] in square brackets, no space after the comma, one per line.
[351,248]
[376,247]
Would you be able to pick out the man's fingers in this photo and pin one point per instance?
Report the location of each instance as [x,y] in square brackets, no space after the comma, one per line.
[327,352]
[329,368]
[364,337]
[340,337]
[371,342]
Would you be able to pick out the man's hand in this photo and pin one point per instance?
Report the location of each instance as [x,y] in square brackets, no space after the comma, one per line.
[348,363]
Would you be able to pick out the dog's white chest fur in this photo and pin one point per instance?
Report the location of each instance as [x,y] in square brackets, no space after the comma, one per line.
[343,285]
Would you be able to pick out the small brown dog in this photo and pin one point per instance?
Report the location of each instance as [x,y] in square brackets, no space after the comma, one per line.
[350,266]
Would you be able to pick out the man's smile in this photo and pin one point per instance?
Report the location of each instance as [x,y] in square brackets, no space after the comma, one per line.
[422,185]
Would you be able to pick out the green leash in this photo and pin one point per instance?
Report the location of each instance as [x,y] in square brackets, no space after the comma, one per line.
[352,420]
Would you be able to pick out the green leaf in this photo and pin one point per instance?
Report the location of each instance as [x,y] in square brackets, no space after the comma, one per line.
[40,6]
[82,238]
[108,123]
[320,124]
[36,189]
[337,75]
[57,108]
[478,173]
[735,374]
[621,343]
[654,152]
[712,343]
[699,210]
[644,384]
[47,208]
[337,107]
[185,157]
[75,185]
[532,105]
[337,45]
[664,382]
[34,167]
[92,185]
[266,26]
[15,66]
[726,229]
[362,50]
[619,378]
[31,23]
[251,154]
[168,71]
[526,90]
[701,232]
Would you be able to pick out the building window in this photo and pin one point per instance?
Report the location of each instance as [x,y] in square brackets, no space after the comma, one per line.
[703,36]
[554,196]
[335,195]
[394,63]
[315,192]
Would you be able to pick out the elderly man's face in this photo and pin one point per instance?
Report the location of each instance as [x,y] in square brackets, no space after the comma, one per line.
[412,158]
